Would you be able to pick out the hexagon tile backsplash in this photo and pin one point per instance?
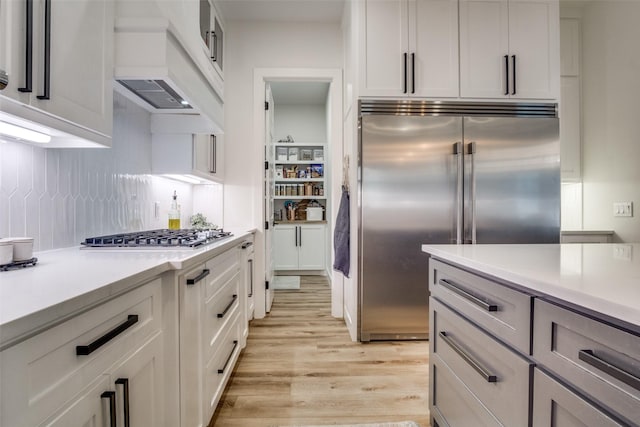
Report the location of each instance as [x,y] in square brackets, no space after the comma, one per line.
[62,196]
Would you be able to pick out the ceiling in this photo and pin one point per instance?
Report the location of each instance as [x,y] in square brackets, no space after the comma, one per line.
[299,93]
[325,11]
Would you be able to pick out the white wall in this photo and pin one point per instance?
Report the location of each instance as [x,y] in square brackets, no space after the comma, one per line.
[61,196]
[252,45]
[305,123]
[611,141]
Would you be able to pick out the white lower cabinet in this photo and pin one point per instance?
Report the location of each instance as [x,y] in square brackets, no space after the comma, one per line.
[73,373]
[211,319]
[299,247]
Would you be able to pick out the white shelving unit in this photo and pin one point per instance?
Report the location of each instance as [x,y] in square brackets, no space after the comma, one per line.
[309,180]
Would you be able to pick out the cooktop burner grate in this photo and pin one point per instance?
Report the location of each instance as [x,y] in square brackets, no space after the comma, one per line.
[184,238]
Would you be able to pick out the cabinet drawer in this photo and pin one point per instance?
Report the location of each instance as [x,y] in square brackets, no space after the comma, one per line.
[556,405]
[42,373]
[218,310]
[487,368]
[598,359]
[503,311]
[452,404]
[219,368]
[222,268]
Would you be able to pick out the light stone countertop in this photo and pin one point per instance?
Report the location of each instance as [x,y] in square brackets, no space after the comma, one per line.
[65,281]
[599,279]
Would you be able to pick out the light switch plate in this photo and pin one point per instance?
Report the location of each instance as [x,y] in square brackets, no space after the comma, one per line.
[156,210]
[623,209]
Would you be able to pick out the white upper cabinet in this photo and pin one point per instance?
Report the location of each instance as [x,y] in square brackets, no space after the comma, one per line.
[199,157]
[212,34]
[509,49]
[61,67]
[409,48]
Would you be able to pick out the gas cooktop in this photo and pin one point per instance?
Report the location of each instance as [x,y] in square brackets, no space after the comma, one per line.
[158,239]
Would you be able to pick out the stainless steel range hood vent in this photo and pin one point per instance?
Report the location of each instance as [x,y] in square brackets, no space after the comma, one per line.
[156,93]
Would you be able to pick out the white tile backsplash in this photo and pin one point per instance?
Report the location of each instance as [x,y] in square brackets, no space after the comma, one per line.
[61,196]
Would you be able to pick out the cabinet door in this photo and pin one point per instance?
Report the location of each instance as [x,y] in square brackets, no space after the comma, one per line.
[433,48]
[285,247]
[89,408]
[208,156]
[570,126]
[312,247]
[484,42]
[138,383]
[534,40]
[81,63]
[556,405]
[12,48]
[385,48]
[202,153]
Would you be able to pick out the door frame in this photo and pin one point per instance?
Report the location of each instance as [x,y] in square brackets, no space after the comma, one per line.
[333,76]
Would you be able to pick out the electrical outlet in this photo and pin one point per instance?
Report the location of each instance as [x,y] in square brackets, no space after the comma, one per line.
[623,252]
[156,211]
[623,209]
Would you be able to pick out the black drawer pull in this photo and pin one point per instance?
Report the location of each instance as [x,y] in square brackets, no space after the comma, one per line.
[85,350]
[199,277]
[454,287]
[467,358]
[628,378]
[227,308]
[235,344]
[246,245]
[111,395]
[124,382]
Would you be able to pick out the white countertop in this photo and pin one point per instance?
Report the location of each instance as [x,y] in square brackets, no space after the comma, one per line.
[66,280]
[603,279]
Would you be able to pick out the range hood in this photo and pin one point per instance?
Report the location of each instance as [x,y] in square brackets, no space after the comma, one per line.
[167,73]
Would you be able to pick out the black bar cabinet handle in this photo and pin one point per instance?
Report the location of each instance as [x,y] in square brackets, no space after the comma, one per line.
[454,287]
[199,277]
[506,74]
[413,73]
[246,245]
[47,51]
[477,366]
[589,357]
[235,344]
[405,73]
[513,57]
[250,278]
[300,232]
[228,307]
[214,42]
[296,233]
[111,395]
[28,68]
[214,154]
[124,382]
[85,350]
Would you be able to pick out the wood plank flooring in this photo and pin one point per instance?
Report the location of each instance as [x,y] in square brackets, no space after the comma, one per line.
[301,367]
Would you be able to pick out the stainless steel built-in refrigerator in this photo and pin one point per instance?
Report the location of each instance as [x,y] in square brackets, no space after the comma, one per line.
[452,173]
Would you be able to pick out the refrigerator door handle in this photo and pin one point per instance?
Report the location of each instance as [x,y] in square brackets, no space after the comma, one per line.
[471,150]
[457,151]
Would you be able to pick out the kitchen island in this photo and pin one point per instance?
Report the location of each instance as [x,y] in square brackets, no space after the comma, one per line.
[534,334]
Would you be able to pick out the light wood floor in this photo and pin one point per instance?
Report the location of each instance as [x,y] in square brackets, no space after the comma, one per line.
[300,367]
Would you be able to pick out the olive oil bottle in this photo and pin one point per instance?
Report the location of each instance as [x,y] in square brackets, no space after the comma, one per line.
[174,213]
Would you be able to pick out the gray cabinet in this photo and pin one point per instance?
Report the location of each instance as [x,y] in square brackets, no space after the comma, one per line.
[494,376]
[556,405]
[499,356]
[601,361]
